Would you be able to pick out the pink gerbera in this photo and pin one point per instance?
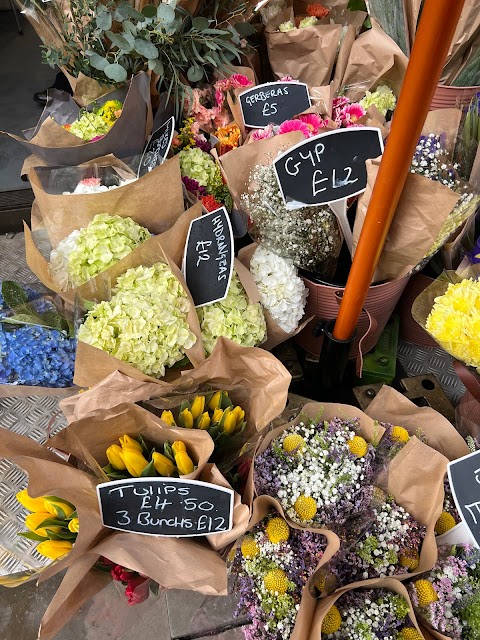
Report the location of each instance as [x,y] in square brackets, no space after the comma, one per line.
[313,121]
[295,125]
[263,134]
[287,79]
[350,114]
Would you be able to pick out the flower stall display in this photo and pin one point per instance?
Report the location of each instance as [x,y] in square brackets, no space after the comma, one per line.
[89,251]
[93,124]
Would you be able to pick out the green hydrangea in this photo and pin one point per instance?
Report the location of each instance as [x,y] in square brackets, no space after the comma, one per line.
[200,166]
[88,126]
[103,243]
[310,21]
[145,322]
[285,27]
[234,317]
[383,98]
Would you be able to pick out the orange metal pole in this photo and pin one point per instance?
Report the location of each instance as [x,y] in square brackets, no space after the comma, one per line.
[435,32]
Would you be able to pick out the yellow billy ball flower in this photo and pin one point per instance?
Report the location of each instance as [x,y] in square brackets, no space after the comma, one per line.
[400,434]
[410,633]
[293,442]
[277,530]
[167,417]
[409,559]
[74,525]
[163,465]
[358,446]
[332,621]
[54,549]
[127,442]
[305,508]
[276,581]
[249,547]
[184,463]
[115,457]
[34,520]
[426,594]
[444,523]
[215,401]
[134,461]
[198,406]
[204,421]
[32,504]
[185,419]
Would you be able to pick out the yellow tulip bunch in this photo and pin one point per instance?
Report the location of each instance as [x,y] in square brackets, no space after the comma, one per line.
[134,459]
[53,522]
[214,413]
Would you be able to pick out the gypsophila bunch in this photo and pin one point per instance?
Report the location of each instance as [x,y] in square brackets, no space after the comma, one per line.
[234,317]
[454,321]
[308,236]
[321,472]
[382,98]
[145,322]
[94,185]
[282,292]
[272,565]
[369,614]
[388,545]
[87,252]
[448,597]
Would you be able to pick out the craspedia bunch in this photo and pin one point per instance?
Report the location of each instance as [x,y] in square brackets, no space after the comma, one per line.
[444,523]
[276,581]
[277,530]
[332,621]
[425,591]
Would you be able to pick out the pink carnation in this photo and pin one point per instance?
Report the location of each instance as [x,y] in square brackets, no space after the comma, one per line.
[295,125]
[313,121]
[263,134]
[91,182]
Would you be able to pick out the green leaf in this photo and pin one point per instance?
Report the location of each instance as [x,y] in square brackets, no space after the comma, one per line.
[13,294]
[118,41]
[149,11]
[129,27]
[357,5]
[136,15]
[52,522]
[143,444]
[159,69]
[54,320]
[194,74]
[98,62]
[165,13]
[29,535]
[115,72]
[130,38]
[149,471]
[57,499]
[117,476]
[200,23]
[104,20]
[73,515]
[63,535]
[245,29]
[21,318]
[120,14]
[146,49]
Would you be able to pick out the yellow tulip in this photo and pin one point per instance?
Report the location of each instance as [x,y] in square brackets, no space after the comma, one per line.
[215,401]
[134,461]
[239,415]
[229,421]
[184,463]
[178,446]
[32,504]
[129,443]
[163,465]
[54,549]
[34,520]
[217,416]
[74,525]
[198,406]
[185,419]
[52,507]
[167,417]
[115,457]
[204,421]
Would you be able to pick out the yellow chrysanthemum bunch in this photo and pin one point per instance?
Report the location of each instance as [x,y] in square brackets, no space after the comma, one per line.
[454,321]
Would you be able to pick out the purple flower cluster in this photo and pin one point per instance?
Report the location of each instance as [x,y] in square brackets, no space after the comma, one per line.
[194,187]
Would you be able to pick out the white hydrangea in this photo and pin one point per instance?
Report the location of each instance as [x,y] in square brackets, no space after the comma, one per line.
[58,266]
[282,291]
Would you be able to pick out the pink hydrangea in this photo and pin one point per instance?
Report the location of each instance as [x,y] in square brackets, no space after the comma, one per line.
[295,125]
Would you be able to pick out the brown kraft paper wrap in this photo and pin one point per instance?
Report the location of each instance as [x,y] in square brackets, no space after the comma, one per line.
[126,138]
[275,334]
[154,201]
[152,250]
[325,604]
[262,506]
[374,59]
[421,212]
[307,55]
[89,439]
[391,406]
[444,121]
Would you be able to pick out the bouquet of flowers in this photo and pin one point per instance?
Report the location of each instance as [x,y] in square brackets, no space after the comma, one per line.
[448,597]
[94,123]
[89,251]
[315,12]
[202,177]
[94,185]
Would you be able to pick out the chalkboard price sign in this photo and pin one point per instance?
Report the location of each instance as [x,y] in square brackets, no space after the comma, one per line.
[157,148]
[328,167]
[208,257]
[273,103]
[464,478]
[169,507]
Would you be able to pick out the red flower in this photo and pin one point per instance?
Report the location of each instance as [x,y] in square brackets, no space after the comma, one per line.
[121,574]
[137,590]
[317,11]
[210,203]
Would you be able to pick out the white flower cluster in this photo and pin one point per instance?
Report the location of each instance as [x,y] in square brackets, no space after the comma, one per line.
[358,622]
[59,258]
[94,185]
[282,292]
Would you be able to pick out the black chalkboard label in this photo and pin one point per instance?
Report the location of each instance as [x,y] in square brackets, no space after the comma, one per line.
[157,148]
[327,167]
[166,507]
[464,478]
[273,103]
[208,257]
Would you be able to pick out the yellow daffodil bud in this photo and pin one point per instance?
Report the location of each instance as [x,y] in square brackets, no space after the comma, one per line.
[229,421]
[32,504]
[178,446]
[239,415]
[163,465]
[215,401]
[34,520]
[204,421]
[185,419]
[135,462]
[115,457]
[74,525]
[54,506]
[167,417]
[184,463]
[217,416]
[54,549]
[129,443]
[198,406]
